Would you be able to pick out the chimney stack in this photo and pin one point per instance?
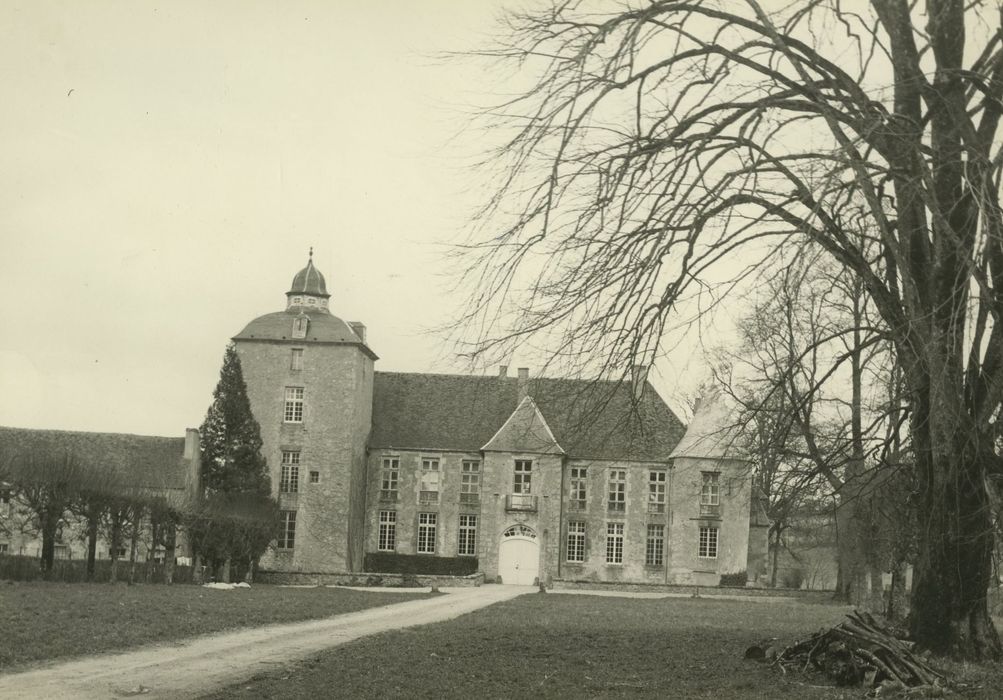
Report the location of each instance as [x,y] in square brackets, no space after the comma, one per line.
[638,378]
[359,329]
[523,382]
[503,371]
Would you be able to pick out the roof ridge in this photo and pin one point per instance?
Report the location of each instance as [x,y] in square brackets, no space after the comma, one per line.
[93,432]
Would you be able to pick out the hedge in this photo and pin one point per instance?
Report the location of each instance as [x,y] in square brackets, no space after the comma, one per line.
[391,563]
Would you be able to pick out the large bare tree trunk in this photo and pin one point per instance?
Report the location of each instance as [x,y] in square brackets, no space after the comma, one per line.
[170,551]
[92,544]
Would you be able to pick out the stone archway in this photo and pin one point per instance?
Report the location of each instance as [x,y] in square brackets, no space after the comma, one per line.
[519,556]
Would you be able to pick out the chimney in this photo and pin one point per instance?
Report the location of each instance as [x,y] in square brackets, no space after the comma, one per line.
[638,378]
[359,329]
[523,382]
[503,371]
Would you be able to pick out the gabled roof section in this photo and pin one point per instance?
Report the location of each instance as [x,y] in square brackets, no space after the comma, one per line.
[713,433]
[526,430]
[589,419]
[138,461]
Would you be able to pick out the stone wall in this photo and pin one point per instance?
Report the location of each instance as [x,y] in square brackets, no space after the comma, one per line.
[376,580]
[698,591]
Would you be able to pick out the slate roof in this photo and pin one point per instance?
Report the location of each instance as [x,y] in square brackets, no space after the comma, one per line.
[713,433]
[323,327]
[140,461]
[589,419]
[526,430]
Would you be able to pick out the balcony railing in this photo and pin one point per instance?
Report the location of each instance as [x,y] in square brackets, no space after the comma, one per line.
[656,508]
[388,495]
[710,511]
[577,505]
[428,498]
[520,501]
[616,506]
[470,499]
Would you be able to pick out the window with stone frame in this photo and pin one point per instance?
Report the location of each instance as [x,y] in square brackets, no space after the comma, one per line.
[314,477]
[300,325]
[578,498]
[293,412]
[470,482]
[710,490]
[708,542]
[656,491]
[614,543]
[428,488]
[426,532]
[576,541]
[296,362]
[467,540]
[617,491]
[654,546]
[289,478]
[389,478]
[522,483]
[287,529]
[388,531]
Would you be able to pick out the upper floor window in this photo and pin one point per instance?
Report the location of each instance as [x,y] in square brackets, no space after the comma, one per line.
[290,477]
[710,492]
[297,360]
[618,490]
[579,488]
[300,324]
[389,478]
[294,405]
[470,481]
[656,491]
[428,490]
[523,482]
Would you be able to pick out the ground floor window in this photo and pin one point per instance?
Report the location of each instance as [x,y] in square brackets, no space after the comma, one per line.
[654,550]
[287,529]
[426,532]
[576,541]
[614,543]
[708,542]
[468,535]
[388,531]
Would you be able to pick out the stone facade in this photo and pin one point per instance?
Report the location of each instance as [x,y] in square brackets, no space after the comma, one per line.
[539,479]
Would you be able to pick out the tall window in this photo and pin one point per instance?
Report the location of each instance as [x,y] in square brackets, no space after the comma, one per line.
[654,548]
[389,478]
[617,491]
[614,543]
[656,491]
[708,542]
[300,324]
[297,359]
[579,485]
[576,541]
[289,481]
[710,492]
[388,531]
[470,481]
[287,529]
[426,532]
[294,405]
[523,482]
[429,487]
[468,535]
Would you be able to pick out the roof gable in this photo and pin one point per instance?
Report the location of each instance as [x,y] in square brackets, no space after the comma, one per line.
[526,430]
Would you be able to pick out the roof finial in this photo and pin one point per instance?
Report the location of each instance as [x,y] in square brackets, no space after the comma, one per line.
[311,253]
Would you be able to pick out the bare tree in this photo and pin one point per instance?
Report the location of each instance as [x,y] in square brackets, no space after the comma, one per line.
[670,139]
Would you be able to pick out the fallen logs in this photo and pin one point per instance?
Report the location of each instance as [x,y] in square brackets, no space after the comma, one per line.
[861,651]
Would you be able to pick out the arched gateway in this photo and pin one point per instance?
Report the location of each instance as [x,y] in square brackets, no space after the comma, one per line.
[519,556]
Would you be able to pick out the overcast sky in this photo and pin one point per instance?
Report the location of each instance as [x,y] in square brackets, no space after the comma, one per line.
[168,165]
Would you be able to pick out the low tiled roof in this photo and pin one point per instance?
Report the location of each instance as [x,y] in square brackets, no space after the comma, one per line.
[140,461]
[323,328]
[589,419]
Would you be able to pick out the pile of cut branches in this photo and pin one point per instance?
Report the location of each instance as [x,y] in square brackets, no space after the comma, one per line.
[861,651]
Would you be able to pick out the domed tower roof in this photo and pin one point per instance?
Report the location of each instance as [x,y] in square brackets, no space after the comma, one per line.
[309,281]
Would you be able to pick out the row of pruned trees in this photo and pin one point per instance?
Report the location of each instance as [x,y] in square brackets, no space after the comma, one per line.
[228,523]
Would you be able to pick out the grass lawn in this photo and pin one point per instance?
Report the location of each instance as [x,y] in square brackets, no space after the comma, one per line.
[574,646]
[41,620]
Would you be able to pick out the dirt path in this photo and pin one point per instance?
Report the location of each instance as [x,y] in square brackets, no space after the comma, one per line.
[195,666]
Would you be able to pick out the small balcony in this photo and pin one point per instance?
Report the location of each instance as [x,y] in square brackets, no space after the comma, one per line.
[708,510]
[428,498]
[656,508]
[470,499]
[520,501]
[577,506]
[388,496]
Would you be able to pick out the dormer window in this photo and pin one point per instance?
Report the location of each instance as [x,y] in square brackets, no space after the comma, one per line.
[311,301]
[297,300]
[300,324]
